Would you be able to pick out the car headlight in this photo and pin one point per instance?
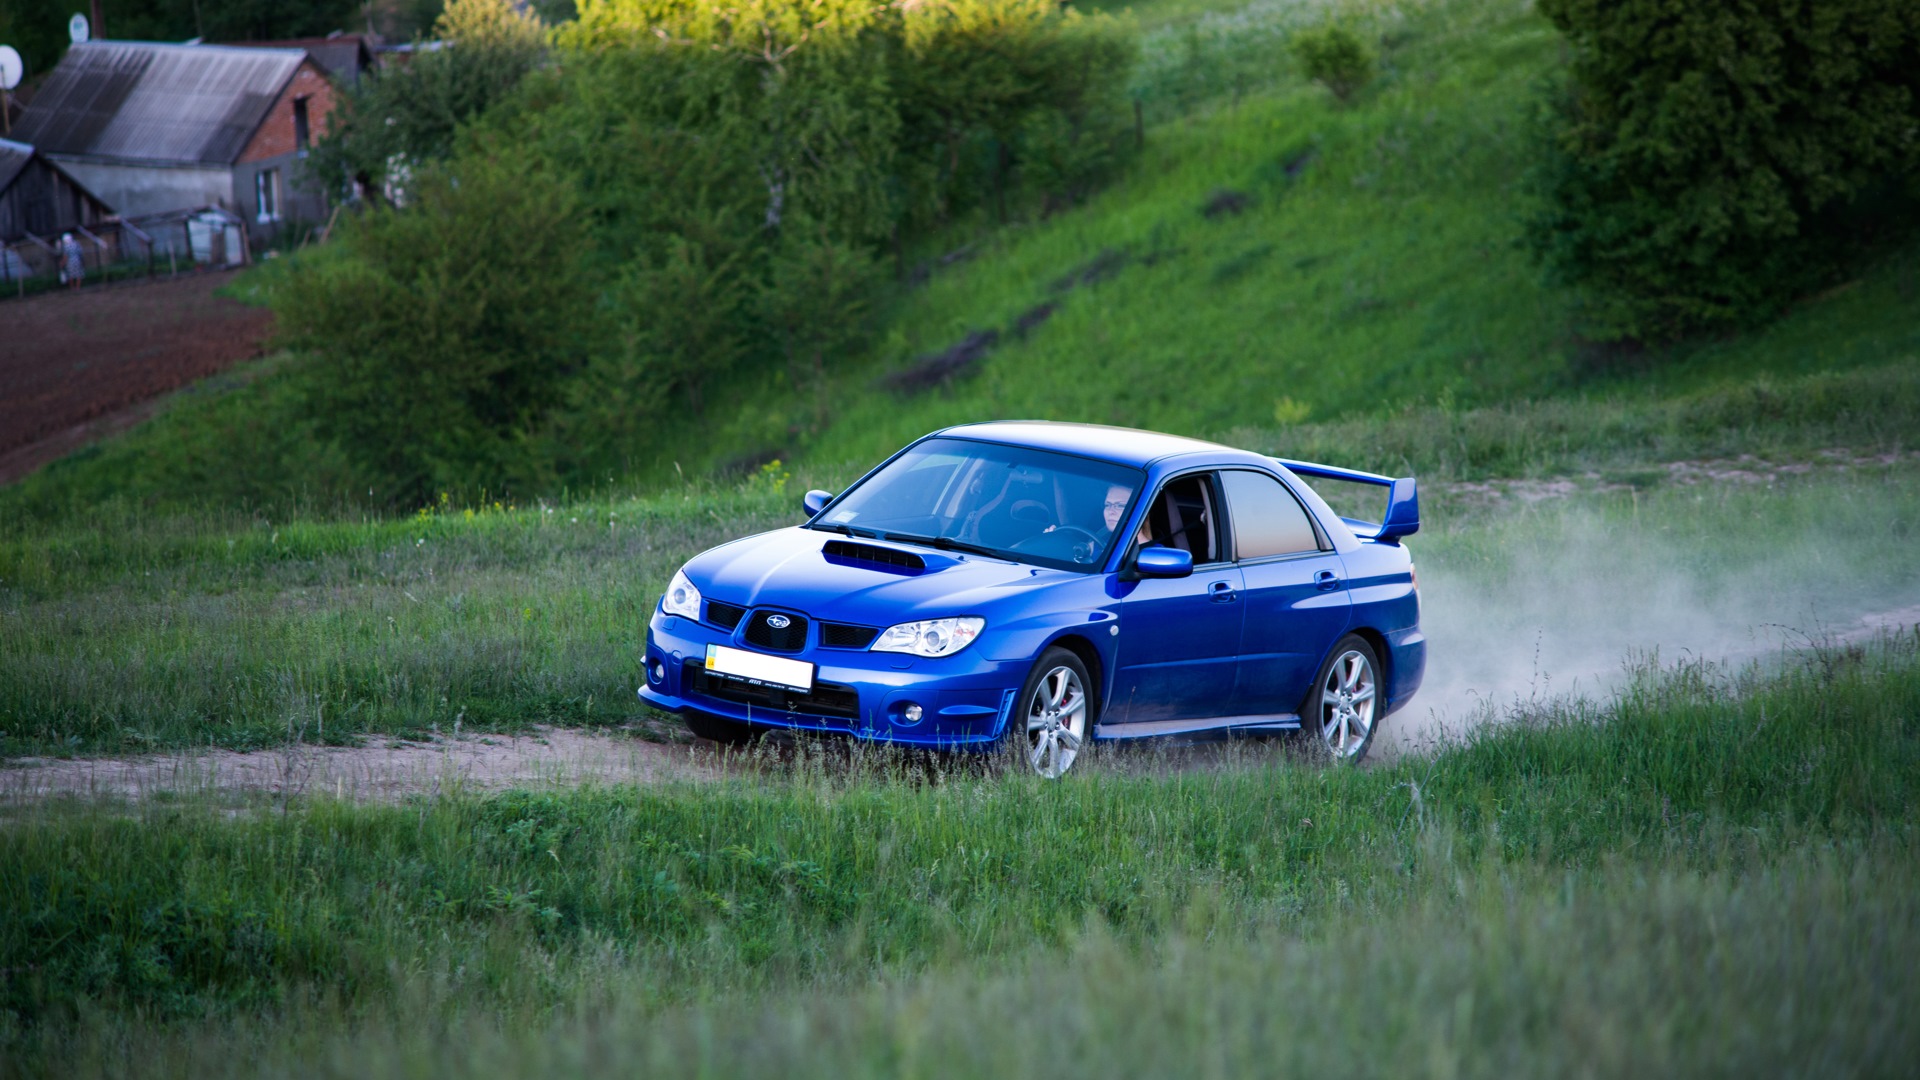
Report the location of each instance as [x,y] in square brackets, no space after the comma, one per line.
[930,637]
[682,598]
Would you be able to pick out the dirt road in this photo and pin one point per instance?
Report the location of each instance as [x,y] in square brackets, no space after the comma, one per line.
[77,366]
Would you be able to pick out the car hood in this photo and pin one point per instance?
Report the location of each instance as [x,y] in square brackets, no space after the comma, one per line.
[795,569]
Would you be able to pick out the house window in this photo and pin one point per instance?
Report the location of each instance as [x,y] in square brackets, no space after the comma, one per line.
[266,194]
[300,131]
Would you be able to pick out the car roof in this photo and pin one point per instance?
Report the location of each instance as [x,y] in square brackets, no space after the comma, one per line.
[1122,446]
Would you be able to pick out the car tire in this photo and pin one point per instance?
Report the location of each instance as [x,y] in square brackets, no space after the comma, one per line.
[1346,704]
[1053,715]
[719,729]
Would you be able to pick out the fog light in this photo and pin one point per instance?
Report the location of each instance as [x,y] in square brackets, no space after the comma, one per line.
[912,713]
[657,672]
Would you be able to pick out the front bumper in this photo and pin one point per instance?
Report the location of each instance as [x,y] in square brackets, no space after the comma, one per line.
[965,699]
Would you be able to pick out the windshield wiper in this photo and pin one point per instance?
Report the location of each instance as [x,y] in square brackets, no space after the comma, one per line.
[845,530]
[948,543]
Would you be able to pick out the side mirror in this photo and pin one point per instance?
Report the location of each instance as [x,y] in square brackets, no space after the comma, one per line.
[1403,512]
[815,501]
[1163,562]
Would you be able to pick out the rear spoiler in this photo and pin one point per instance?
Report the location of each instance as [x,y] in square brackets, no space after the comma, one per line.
[1403,498]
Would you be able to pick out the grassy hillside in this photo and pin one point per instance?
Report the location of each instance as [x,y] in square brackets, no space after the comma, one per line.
[1355,260]
[1358,290]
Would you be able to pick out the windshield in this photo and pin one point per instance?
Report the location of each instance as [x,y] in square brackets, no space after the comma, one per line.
[1032,506]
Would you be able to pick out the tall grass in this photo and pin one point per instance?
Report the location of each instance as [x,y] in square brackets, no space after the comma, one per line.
[820,874]
[1800,965]
[141,633]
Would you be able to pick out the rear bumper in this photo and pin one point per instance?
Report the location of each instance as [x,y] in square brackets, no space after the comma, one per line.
[1406,665]
[965,699]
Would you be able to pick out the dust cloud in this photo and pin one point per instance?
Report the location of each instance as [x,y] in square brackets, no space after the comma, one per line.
[1560,598]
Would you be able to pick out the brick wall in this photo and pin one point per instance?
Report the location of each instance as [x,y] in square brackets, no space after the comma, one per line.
[275,135]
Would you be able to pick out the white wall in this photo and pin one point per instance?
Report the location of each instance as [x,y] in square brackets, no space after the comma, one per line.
[136,190]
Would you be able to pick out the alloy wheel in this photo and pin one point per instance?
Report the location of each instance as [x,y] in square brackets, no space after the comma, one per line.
[1056,722]
[1347,704]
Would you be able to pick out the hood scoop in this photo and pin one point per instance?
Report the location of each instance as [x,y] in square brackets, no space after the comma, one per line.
[873,557]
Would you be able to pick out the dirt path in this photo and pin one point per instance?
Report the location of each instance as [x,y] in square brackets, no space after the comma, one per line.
[549,757]
[75,367]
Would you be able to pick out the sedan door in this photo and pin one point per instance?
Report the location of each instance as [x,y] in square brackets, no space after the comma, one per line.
[1179,636]
[1296,597]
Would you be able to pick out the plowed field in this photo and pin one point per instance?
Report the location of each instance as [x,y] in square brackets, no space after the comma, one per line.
[75,366]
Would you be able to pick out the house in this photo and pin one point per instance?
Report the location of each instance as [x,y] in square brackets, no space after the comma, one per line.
[156,129]
[38,198]
[38,202]
[346,57]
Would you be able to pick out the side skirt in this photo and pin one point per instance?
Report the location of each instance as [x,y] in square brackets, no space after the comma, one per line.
[1151,729]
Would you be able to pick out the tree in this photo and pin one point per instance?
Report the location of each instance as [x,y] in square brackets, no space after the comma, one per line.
[1706,162]
[409,115]
[441,337]
[816,299]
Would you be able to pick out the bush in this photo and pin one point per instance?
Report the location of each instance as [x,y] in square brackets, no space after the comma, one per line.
[721,183]
[441,337]
[1335,56]
[1706,162]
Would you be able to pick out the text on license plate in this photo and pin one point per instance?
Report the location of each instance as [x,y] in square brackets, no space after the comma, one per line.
[752,665]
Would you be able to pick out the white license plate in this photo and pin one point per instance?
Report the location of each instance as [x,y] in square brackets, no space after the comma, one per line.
[760,667]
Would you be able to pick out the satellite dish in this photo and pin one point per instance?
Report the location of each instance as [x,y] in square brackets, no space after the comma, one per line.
[78,30]
[10,68]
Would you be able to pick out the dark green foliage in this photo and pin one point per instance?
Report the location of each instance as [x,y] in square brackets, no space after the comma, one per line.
[407,115]
[441,336]
[38,28]
[732,177]
[1707,162]
[817,300]
[1334,55]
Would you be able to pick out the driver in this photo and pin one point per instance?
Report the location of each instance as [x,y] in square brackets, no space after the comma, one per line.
[1118,495]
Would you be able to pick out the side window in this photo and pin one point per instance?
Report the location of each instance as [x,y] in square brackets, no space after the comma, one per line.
[1267,519]
[1182,516]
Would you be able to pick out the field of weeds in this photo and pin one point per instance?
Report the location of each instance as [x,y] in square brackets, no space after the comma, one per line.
[1658,877]
[172,633]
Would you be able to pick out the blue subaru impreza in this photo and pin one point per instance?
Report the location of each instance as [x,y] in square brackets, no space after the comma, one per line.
[1036,585]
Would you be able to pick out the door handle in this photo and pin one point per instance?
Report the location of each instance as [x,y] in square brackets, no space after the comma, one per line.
[1326,580]
[1222,592]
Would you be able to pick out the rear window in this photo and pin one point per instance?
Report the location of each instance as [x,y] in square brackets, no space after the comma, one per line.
[1267,519]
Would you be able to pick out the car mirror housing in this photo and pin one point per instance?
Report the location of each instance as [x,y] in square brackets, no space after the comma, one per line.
[1163,562]
[815,501]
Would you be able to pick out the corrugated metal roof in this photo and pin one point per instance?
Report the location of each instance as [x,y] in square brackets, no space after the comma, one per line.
[13,158]
[344,56]
[165,104]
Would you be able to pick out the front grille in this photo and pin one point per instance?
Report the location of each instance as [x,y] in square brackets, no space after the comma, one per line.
[835,635]
[724,616]
[825,699]
[875,554]
[789,638]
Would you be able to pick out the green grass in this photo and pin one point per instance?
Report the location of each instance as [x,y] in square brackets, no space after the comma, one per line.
[142,632]
[1762,802]
[1509,971]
